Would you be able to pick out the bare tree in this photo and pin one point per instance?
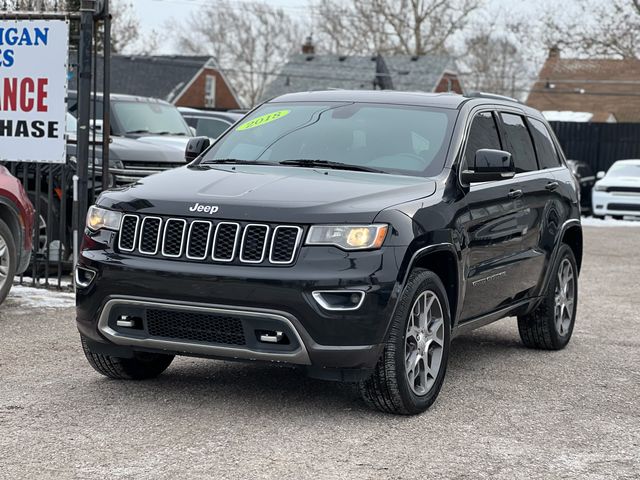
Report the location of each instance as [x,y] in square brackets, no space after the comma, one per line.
[125,28]
[492,62]
[609,28]
[250,42]
[413,27]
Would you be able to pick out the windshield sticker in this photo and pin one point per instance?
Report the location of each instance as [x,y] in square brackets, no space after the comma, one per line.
[263,119]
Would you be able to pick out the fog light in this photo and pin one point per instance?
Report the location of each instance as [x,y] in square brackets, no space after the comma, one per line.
[84,277]
[339,300]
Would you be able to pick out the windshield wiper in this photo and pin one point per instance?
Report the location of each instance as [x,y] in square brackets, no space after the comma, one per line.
[330,164]
[169,133]
[222,161]
[142,130]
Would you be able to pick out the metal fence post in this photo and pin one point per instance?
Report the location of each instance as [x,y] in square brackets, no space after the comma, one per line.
[87,9]
[106,88]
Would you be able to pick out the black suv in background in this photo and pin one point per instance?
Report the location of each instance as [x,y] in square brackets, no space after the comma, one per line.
[351,233]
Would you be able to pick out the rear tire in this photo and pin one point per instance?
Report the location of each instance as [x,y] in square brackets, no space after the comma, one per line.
[8,260]
[550,325]
[142,366]
[417,348]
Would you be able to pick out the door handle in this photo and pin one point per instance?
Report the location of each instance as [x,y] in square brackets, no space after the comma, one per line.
[515,193]
[551,186]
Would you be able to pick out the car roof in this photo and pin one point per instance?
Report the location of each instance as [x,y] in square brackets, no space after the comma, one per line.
[393,97]
[122,97]
[450,100]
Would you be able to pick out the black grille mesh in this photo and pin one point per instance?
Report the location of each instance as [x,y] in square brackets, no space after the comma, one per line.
[197,246]
[624,206]
[198,327]
[173,231]
[225,241]
[255,237]
[149,237]
[284,244]
[128,233]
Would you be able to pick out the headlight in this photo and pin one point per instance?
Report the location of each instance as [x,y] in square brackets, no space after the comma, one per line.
[98,218]
[348,237]
[600,188]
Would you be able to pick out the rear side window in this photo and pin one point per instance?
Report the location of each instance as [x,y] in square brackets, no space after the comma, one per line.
[547,155]
[483,134]
[518,143]
[210,127]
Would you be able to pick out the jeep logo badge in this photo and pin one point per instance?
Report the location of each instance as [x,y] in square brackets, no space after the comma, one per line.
[210,209]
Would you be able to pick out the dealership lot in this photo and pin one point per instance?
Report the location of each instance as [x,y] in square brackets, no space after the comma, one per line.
[504,411]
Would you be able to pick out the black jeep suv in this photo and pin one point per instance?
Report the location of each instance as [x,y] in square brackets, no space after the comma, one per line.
[351,233]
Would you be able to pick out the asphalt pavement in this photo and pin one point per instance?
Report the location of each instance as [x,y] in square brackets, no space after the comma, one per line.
[505,412]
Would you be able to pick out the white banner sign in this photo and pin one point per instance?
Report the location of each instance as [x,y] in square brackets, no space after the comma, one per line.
[33,90]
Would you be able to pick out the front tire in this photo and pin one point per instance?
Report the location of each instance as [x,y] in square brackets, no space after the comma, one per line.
[412,367]
[550,325]
[142,366]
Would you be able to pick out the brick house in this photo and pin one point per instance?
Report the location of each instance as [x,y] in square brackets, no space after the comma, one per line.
[185,81]
[308,71]
[603,90]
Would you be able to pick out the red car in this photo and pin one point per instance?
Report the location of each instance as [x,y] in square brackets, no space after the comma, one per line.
[16,225]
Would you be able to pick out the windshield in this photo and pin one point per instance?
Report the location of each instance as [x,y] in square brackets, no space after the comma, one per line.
[149,117]
[624,170]
[389,138]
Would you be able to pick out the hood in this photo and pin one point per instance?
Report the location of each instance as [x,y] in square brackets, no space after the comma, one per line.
[150,149]
[268,193]
[619,182]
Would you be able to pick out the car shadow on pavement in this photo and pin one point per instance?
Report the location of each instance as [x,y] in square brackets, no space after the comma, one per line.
[264,387]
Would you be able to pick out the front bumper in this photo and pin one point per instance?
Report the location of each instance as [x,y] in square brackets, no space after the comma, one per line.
[616,203]
[261,297]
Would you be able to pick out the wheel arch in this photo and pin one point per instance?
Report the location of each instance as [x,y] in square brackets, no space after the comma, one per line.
[572,236]
[443,260]
[9,215]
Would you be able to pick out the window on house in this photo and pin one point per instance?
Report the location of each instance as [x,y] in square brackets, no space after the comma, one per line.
[210,92]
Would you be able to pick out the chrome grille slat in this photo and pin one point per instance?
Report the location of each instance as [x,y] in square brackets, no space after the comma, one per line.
[284,244]
[219,242]
[223,243]
[174,236]
[254,243]
[153,229]
[198,242]
[128,233]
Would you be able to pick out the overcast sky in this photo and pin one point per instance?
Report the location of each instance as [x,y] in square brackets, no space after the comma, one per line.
[153,14]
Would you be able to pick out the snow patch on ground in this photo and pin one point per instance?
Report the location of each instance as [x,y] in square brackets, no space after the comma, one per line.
[39,297]
[609,222]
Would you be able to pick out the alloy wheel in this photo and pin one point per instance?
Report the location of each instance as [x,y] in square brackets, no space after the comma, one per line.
[424,342]
[565,295]
[4,261]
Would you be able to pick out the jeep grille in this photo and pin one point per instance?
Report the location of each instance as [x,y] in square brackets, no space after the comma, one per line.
[199,327]
[207,241]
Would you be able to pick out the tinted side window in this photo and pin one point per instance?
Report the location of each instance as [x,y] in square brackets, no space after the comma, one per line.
[547,155]
[518,143]
[210,127]
[482,134]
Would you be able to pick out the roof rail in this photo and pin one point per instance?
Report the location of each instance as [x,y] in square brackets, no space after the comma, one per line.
[493,96]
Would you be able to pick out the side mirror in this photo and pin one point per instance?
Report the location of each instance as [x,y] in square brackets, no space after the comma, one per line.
[489,166]
[195,147]
[600,175]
